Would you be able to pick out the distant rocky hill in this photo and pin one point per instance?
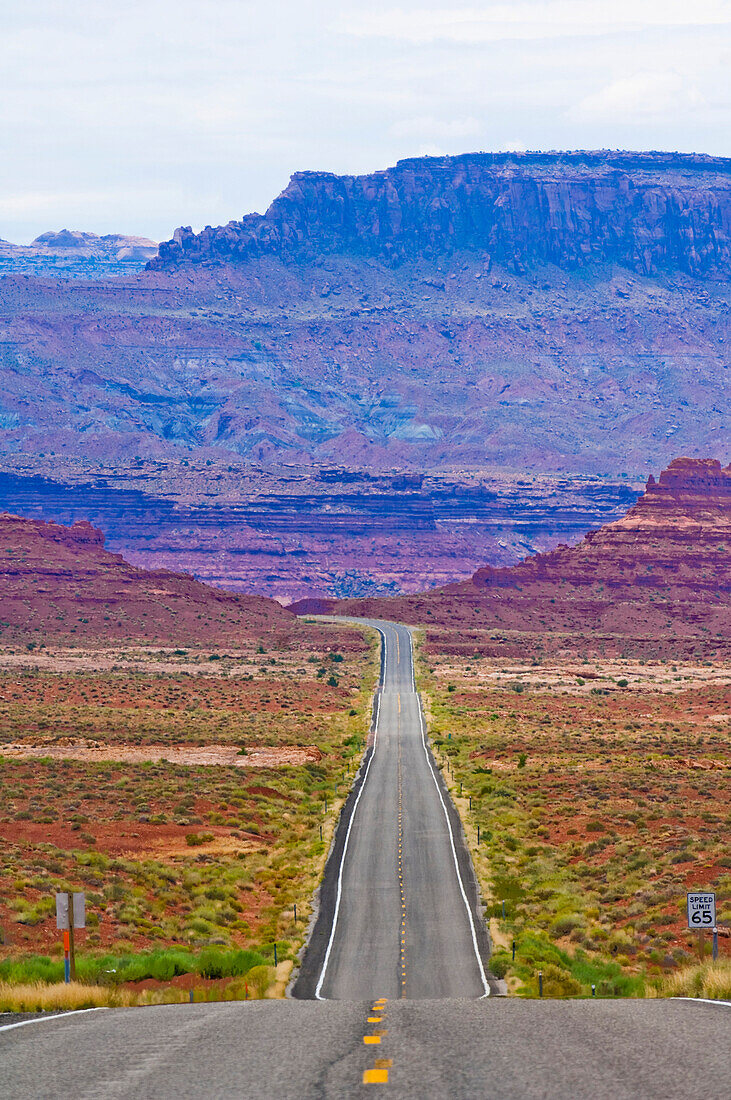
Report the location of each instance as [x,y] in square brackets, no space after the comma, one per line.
[644,211]
[59,584]
[656,581]
[74,254]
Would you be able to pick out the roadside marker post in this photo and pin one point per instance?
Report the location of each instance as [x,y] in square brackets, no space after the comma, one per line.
[70,914]
[295,912]
[66,956]
[503,908]
[540,983]
[715,944]
[513,950]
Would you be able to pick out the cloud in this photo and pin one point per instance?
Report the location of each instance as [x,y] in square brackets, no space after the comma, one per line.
[639,97]
[436,129]
[526,20]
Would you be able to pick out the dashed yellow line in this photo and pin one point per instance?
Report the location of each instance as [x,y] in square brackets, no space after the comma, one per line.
[402,888]
[378,1074]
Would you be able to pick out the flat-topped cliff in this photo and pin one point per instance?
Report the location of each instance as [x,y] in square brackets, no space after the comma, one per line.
[646,211]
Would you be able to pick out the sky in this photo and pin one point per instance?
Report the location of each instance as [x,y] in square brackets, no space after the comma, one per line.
[142,115]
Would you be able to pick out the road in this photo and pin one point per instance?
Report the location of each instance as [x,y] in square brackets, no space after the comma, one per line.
[399,914]
[310,1050]
[392,990]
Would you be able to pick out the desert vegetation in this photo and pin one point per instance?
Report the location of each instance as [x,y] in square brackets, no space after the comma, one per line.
[191,872]
[599,789]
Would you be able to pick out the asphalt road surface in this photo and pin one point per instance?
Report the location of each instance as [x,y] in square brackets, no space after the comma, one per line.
[393,992]
[495,1047]
[399,912]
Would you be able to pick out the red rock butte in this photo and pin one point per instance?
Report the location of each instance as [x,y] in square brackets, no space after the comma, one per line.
[657,581]
[59,584]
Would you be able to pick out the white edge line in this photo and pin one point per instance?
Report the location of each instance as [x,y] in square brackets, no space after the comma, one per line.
[485,983]
[702,1001]
[326,960]
[54,1016]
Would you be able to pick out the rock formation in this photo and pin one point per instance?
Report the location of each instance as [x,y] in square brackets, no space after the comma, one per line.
[647,212]
[656,581]
[59,584]
[70,252]
[501,327]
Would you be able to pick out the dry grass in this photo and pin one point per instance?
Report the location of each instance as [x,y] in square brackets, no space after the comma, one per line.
[710,980]
[261,981]
[39,997]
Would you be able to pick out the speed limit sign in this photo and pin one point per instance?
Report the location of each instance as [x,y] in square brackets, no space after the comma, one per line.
[701,911]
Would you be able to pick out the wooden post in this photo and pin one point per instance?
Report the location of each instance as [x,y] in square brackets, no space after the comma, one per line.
[72,952]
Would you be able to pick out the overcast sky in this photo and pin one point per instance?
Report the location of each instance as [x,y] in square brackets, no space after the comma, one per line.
[142,115]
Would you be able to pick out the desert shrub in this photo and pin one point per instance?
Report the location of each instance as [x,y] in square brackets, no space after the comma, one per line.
[566,923]
[260,978]
[499,964]
[195,839]
[227,964]
[558,982]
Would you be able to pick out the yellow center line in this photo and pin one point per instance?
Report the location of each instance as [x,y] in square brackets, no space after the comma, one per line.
[375,1076]
[402,946]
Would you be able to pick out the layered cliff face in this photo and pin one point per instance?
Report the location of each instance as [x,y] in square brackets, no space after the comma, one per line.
[59,584]
[647,212]
[657,581]
[336,531]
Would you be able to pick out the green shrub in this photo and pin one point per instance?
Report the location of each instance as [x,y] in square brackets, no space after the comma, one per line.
[499,964]
[566,923]
[227,964]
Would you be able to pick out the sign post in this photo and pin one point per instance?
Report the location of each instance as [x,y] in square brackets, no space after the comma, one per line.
[701,915]
[70,914]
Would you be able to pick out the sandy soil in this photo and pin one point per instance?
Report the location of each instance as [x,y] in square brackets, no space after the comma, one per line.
[655,677]
[71,748]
